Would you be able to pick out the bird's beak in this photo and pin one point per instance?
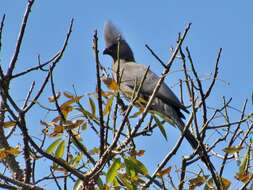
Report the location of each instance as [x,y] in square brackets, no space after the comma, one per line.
[106,51]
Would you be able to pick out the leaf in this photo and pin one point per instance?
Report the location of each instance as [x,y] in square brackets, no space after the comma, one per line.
[161,127]
[78,185]
[76,160]
[65,111]
[112,172]
[75,99]
[244,177]
[225,183]
[3,153]
[60,150]
[137,153]
[127,184]
[136,165]
[108,105]
[68,95]
[85,112]
[14,151]
[210,186]
[58,129]
[164,172]
[130,170]
[52,146]
[197,181]
[232,149]
[100,183]
[93,106]
[73,124]
[9,124]
[244,163]
[11,151]
[53,99]
[111,84]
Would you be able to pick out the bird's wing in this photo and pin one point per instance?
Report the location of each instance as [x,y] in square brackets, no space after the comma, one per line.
[133,72]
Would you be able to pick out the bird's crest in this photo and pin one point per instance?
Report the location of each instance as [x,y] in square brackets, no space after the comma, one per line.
[111,34]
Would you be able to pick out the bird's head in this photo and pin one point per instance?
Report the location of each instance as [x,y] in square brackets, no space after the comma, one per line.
[112,38]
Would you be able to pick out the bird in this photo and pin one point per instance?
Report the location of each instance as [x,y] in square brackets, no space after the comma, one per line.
[131,74]
[165,101]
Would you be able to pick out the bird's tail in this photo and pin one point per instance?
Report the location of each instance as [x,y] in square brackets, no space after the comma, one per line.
[171,115]
[194,143]
[187,134]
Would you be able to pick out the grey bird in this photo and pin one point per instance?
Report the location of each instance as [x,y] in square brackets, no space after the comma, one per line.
[165,102]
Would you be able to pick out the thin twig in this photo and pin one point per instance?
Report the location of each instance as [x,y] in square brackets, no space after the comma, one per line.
[20,39]
[20,184]
[40,66]
[55,179]
[56,60]
[1,31]
[100,103]
[167,157]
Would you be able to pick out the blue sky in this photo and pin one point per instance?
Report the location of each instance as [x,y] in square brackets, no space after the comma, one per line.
[226,24]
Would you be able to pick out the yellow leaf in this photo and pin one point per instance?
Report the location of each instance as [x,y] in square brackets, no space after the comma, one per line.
[232,149]
[9,124]
[65,110]
[244,177]
[52,98]
[11,151]
[108,105]
[14,151]
[71,101]
[195,182]
[3,154]
[164,172]
[68,95]
[225,183]
[57,130]
[93,106]
[111,84]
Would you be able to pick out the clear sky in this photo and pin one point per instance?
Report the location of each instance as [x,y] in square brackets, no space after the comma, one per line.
[215,24]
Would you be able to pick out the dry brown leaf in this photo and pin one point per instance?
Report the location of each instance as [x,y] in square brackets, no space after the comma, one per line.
[164,172]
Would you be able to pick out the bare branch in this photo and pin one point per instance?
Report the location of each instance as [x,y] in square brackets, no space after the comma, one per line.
[56,60]
[100,104]
[20,39]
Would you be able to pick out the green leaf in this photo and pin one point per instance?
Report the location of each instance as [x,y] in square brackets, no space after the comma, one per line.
[112,172]
[100,183]
[52,146]
[93,106]
[85,112]
[136,165]
[108,105]
[76,160]
[244,163]
[78,185]
[232,149]
[60,150]
[130,169]
[161,127]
